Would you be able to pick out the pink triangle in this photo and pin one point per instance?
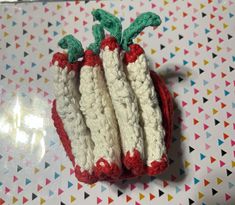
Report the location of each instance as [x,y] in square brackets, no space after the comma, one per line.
[60,191]
[39,187]
[184,103]
[228,114]
[137,203]
[187,113]
[221,163]
[208,169]
[146,185]
[24,200]
[196,136]
[232,143]
[7,190]
[207,146]
[200,109]
[47,181]
[197,167]
[205,126]
[15,178]
[19,189]
[207,116]
[187,187]
[227,197]
[196,91]
[98,200]
[133,187]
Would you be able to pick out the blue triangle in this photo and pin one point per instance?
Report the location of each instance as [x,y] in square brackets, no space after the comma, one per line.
[35,25]
[233,105]
[56,175]
[57,23]
[190,42]
[202,156]
[27,181]
[13,56]
[150,35]
[177,189]
[24,12]
[33,64]
[216,65]
[185,62]
[185,90]
[122,19]
[13,23]
[230,185]
[172,55]
[86,29]
[182,171]
[226,92]
[195,25]
[192,82]
[166,19]
[111,5]
[103,188]
[69,184]
[230,15]
[51,193]
[131,7]
[55,33]
[233,58]
[165,28]
[208,134]
[52,143]
[220,142]
[205,82]
[196,180]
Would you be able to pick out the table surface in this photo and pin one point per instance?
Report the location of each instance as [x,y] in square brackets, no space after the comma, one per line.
[193,49]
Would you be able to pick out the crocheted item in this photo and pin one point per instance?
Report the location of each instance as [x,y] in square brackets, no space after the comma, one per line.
[112,113]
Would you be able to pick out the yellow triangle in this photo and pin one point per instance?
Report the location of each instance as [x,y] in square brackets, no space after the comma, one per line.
[224,8]
[21,79]
[225,25]
[36,170]
[8,16]
[46,80]
[58,7]
[233,164]
[177,49]
[141,196]
[153,51]
[186,164]
[214,111]
[205,62]
[209,92]
[169,197]
[182,138]
[165,3]
[14,200]
[189,74]
[202,6]
[62,167]
[173,28]
[40,55]
[138,40]
[72,198]
[200,195]
[5,34]
[115,12]
[219,181]
[218,48]
[42,201]
[63,32]
[27,44]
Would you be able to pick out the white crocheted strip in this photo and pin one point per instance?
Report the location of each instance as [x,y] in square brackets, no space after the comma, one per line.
[98,110]
[67,106]
[150,111]
[124,102]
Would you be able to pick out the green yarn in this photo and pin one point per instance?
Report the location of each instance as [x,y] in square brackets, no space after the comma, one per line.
[74,46]
[110,22]
[142,21]
[98,33]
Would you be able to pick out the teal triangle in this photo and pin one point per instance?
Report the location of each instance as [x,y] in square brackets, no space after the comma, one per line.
[185,62]
[182,171]
[233,58]
[13,56]
[165,28]
[56,175]
[172,55]
[166,19]
[207,30]
[177,189]
[51,193]
[196,180]
[226,92]
[131,7]
[69,184]
[230,15]
[103,188]
[13,23]
[24,12]
[192,82]
[190,43]
[55,33]
[33,64]
[7,66]
[202,156]
[27,181]
[220,142]
[57,23]
[0,184]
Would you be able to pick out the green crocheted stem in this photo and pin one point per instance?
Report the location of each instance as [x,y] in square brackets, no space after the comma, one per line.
[98,33]
[110,22]
[142,21]
[74,46]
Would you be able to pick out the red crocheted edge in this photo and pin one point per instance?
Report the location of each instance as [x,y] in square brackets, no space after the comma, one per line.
[91,59]
[134,52]
[84,176]
[111,42]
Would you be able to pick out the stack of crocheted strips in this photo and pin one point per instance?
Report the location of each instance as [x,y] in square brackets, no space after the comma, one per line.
[112,113]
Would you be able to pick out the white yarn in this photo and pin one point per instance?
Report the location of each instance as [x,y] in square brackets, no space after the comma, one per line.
[67,106]
[124,102]
[96,105]
[150,111]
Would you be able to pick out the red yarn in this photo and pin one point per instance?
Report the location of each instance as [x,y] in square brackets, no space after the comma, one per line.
[157,166]
[134,52]
[62,59]
[134,162]
[91,59]
[105,170]
[111,42]
[84,176]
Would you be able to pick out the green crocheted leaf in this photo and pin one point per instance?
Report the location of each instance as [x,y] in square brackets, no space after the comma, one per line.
[110,22]
[98,33]
[74,46]
[142,21]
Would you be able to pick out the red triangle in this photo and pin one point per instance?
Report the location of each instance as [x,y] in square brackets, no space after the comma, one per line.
[110,200]
[226,124]
[197,167]
[195,121]
[24,200]
[7,190]
[186,187]
[165,183]
[151,196]
[128,198]
[223,74]
[1,201]
[206,182]
[15,178]
[196,136]
[146,186]
[223,105]
[175,94]
[212,159]
[76,18]
[225,136]
[19,189]
[98,200]
[194,101]
[133,187]
[184,14]
[102,5]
